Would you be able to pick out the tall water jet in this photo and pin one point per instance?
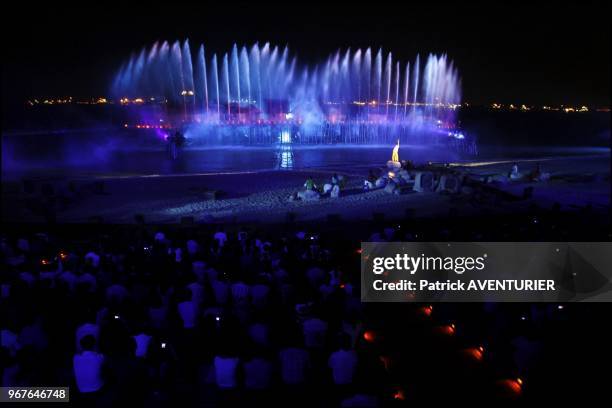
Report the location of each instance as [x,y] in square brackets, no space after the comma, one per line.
[397,85]
[201,81]
[406,82]
[235,77]
[417,65]
[225,84]
[245,74]
[378,74]
[256,72]
[367,68]
[356,75]
[187,66]
[388,66]
[214,71]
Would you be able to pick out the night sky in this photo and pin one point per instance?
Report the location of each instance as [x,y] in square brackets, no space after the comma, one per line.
[553,54]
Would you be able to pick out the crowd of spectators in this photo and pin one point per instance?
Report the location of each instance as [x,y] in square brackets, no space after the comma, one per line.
[217,317]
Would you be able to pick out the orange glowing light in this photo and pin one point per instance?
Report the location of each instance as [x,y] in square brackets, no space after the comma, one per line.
[427,310]
[477,353]
[514,387]
[399,395]
[369,336]
[448,329]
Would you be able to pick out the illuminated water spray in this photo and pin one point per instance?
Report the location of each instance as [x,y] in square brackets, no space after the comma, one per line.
[356,96]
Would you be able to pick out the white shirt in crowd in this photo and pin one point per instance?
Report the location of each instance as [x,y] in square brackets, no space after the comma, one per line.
[192,247]
[315,331]
[240,292]
[189,313]
[142,344]
[343,364]
[88,371]
[225,371]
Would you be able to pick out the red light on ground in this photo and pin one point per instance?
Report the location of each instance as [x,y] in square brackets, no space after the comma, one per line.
[514,387]
[44,262]
[448,329]
[369,336]
[477,353]
[399,395]
[359,251]
[426,310]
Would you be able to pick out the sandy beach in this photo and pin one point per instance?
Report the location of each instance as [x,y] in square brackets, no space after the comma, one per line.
[264,195]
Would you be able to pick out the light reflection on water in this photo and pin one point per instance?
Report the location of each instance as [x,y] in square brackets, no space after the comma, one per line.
[70,154]
[284,156]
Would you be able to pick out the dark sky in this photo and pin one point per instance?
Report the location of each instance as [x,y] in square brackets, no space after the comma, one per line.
[523,54]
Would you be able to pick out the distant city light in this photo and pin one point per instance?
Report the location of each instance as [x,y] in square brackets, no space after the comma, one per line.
[141,100]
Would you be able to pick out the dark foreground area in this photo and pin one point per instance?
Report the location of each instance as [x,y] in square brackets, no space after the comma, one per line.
[248,314]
